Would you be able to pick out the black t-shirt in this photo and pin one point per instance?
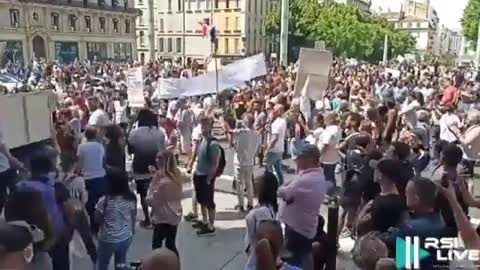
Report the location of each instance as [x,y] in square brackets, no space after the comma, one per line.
[387,211]
[404,175]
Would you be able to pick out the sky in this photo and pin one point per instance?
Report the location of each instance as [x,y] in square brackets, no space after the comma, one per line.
[449,11]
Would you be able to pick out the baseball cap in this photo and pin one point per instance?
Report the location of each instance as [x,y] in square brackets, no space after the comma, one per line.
[309,151]
[15,236]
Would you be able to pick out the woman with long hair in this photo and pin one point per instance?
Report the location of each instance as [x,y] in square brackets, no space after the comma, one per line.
[165,198]
[116,213]
[266,187]
[145,142]
[115,148]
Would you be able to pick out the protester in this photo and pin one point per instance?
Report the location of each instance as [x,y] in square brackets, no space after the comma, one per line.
[116,214]
[145,142]
[90,156]
[209,155]
[16,241]
[329,156]
[246,144]
[266,187]
[115,148]
[275,141]
[303,198]
[164,196]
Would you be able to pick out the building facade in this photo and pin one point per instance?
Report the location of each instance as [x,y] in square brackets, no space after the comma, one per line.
[239,25]
[363,5]
[66,30]
[419,19]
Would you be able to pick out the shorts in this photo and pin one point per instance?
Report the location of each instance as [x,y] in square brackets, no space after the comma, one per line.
[142,186]
[298,245]
[204,192]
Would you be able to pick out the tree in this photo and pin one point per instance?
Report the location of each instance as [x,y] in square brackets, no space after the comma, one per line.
[350,32]
[471,16]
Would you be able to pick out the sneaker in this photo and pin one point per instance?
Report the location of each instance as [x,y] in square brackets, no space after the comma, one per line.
[190,217]
[198,225]
[206,231]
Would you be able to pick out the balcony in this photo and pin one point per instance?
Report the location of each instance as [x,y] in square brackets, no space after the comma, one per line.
[67,3]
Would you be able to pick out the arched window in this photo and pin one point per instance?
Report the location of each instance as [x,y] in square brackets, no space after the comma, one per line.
[142,38]
[115,25]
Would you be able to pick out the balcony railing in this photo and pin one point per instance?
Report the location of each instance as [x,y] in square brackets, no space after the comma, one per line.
[84,5]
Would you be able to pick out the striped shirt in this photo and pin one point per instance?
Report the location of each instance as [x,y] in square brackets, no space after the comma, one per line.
[117,215]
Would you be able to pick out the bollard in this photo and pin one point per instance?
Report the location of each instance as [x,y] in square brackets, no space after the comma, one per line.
[332,228]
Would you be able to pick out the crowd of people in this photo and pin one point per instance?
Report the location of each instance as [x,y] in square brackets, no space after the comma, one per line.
[395,148]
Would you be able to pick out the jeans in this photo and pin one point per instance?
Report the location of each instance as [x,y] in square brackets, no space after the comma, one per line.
[106,250]
[165,232]
[298,245]
[7,180]
[274,161]
[329,173]
[96,187]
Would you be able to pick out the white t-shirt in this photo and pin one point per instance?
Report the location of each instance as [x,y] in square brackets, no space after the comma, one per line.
[98,118]
[120,112]
[279,127]
[330,138]
[90,156]
[447,120]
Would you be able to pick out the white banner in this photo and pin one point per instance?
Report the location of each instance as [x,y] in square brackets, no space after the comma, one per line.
[232,75]
[313,67]
[135,87]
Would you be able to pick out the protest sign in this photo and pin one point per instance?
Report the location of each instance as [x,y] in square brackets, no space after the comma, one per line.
[135,87]
[395,72]
[314,66]
[232,75]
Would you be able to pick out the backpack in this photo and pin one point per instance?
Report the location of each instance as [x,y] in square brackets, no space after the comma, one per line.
[222,162]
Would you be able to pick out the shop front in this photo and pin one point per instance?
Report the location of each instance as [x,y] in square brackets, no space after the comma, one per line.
[13,52]
[66,52]
[122,51]
[97,51]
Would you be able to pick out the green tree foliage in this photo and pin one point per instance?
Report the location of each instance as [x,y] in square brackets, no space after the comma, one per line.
[346,29]
[470,18]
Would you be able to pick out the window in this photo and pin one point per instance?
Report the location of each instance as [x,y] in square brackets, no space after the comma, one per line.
[140,2]
[170,5]
[169,45]
[55,20]
[115,25]
[140,20]
[142,38]
[127,26]
[72,22]
[227,3]
[125,4]
[161,45]
[255,6]
[101,21]
[14,18]
[261,7]
[216,3]
[237,3]
[88,23]
[227,23]
[178,45]
[409,25]
[189,4]
[199,4]
[237,46]
[161,25]
[180,5]
[237,23]
[226,46]
[101,3]
[208,3]
[35,16]
[114,3]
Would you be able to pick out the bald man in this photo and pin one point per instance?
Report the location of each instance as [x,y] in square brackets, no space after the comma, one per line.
[164,259]
[276,141]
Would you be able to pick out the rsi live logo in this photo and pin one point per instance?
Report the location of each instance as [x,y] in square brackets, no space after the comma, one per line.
[409,252]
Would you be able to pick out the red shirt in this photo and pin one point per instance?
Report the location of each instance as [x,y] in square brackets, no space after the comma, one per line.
[449,95]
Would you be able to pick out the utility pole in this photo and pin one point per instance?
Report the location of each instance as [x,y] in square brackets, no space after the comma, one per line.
[151,30]
[385,50]
[477,52]
[184,53]
[284,32]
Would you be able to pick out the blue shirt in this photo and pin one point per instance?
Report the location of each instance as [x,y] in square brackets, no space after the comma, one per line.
[46,187]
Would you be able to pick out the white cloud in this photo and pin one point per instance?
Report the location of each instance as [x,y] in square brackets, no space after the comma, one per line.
[449,11]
